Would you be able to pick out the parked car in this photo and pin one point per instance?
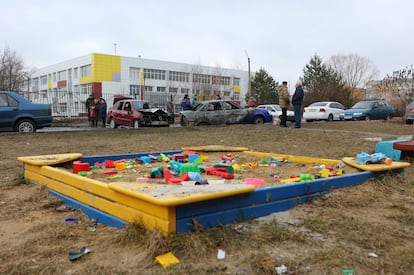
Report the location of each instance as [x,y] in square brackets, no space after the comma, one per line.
[325,110]
[20,115]
[369,109]
[409,113]
[214,112]
[135,113]
[276,111]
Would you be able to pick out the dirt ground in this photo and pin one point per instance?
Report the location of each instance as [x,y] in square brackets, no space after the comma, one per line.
[366,228]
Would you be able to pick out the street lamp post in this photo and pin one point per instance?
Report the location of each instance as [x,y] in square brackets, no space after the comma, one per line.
[249,89]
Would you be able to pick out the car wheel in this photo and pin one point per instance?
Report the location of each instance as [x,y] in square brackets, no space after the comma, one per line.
[136,124]
[25,126]
[389,117]
[367,118]
[408,121]
[330,117]
[258,120]
[112,123]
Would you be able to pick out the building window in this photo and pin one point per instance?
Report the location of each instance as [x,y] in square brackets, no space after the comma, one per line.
[148,88]
[35,84]
[62,75]
[202,78]
[134,74]
[86,89]
[221,80]
[75,73]
[173,90]
[86,70]
[43,80]
[154,74]
[161,89]
[134,89]
[179,76]
[236,81]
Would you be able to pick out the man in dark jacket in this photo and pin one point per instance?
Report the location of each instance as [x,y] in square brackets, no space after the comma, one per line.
[297,100]
[186,103]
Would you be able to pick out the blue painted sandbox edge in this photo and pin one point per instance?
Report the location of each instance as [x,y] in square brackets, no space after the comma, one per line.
[228,216]
[271,194]
[91,212]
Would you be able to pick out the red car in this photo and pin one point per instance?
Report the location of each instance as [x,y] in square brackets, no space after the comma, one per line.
[135,113]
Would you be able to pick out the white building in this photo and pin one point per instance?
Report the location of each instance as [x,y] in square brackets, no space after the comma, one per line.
[66,85]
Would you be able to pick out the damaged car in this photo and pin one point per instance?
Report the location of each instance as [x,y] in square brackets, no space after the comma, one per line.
[136,113]
[215,112]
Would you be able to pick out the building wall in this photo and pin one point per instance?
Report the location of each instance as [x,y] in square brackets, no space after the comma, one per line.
[69,83]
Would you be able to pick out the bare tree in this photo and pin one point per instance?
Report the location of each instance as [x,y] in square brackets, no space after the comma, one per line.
[12,71]
[354,70]
[401,84]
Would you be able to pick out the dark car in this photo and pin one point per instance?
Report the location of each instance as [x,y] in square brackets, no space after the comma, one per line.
[214,112]
[369,109]
[136,113]
[20,115]
[409,113]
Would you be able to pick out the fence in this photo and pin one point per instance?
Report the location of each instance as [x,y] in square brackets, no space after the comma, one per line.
[71,105]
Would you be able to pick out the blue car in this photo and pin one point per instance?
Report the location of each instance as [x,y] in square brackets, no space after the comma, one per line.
[368,110]
[215,112]
[20,115]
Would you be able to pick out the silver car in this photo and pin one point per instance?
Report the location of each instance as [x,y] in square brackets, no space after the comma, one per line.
[215,112]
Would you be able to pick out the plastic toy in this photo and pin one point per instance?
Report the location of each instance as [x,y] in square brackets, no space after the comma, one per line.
[376,158]
[219,171]
[79,166]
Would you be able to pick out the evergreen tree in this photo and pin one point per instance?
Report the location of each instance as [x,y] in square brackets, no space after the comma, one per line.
[263,88]
[322,83]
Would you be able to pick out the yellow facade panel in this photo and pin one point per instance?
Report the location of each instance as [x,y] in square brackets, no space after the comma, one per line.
[104,66]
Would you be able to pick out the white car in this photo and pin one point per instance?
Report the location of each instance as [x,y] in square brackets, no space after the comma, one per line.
[326,110]
[276,111]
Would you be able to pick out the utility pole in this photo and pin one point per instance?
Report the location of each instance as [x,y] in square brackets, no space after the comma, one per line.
[249,89]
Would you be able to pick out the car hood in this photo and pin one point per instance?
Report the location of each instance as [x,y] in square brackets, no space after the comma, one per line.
[151,110]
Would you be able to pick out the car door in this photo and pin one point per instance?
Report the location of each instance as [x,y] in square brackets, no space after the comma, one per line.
[119,113]
[214,113]
[128,114]
[234,113]
[336,108]
[9,110]
[378,110]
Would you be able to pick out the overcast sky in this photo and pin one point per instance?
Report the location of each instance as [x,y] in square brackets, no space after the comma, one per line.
[279,36]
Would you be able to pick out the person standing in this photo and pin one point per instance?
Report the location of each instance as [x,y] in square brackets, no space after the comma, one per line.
[102,111]
[95,112]
[297,100]
[284,101]
[186,103]
[194,101]
[90,102]
[252,103]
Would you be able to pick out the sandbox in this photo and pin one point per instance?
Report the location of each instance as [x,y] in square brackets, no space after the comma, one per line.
[230,185]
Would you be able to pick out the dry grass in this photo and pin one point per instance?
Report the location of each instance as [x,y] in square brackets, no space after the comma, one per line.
[331,233]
